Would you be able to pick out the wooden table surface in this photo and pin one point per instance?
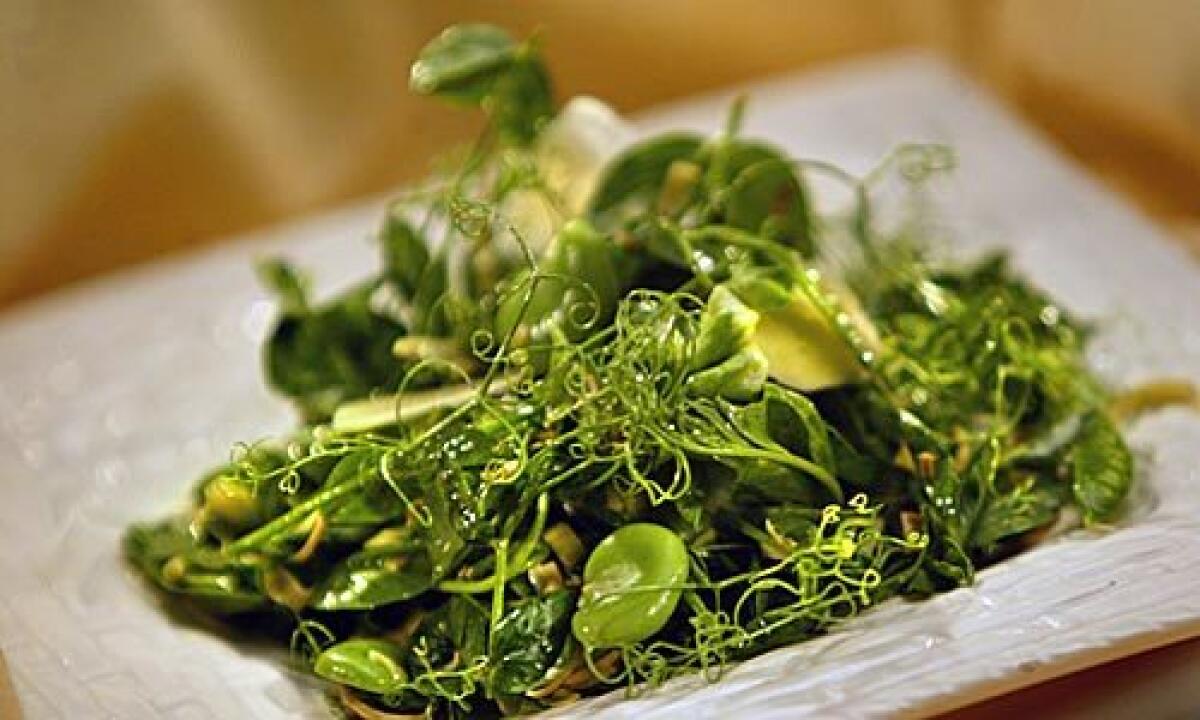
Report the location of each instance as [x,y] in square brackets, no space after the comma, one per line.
[9,708]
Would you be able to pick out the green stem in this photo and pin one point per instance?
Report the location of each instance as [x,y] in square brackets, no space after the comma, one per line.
[322,501]
[498,592]
[515,564]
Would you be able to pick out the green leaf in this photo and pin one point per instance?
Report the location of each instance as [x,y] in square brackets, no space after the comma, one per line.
[579,293]
[527,640]
[764,289]
[371,578]
[374,666]
[444,536]
[760,482]
[785,423]
[342,350]
[725,157]
[1025,508]
[289,286]
[377,504]
[630,184]
[405,255]
[660,238]
[169,556]
[794,521]
[766,198]
[726,326]
[429,299]
[463,62]
[739,377]
[1101,467]
[797,425]
[522,100]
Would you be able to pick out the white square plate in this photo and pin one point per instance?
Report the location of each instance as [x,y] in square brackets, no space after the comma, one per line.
[116,395]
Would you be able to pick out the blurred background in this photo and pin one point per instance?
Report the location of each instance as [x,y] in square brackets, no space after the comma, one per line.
[135,128]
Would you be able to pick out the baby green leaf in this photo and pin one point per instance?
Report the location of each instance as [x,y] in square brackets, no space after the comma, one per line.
[1014,513]
[767,198]
[323,356]
[376,504]
[522,100]
[727,156]
[1101,467]
[405,255]
[289,286]
[797,425]
[580,292]
[739,377]
[726,326]
[369,579]
[526,641]
[630,184]
[374,666]
[463,62]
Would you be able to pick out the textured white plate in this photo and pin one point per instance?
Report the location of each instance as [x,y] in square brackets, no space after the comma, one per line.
[114,396]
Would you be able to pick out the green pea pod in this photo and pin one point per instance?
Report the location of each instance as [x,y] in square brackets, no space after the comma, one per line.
[374,666]
[630,586]
[463,62]
[223,593]
[581,290]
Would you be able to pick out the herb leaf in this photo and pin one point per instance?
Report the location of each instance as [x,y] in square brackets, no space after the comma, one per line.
[463,62]
[1101,467]
[631,183]
[527,640]
[323,356]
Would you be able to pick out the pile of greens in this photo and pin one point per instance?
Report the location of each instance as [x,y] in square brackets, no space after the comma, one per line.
[671,435]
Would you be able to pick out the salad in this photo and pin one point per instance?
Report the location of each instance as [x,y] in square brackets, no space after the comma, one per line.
[614,410]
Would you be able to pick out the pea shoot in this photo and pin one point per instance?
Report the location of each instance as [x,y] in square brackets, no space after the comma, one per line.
[606,417]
